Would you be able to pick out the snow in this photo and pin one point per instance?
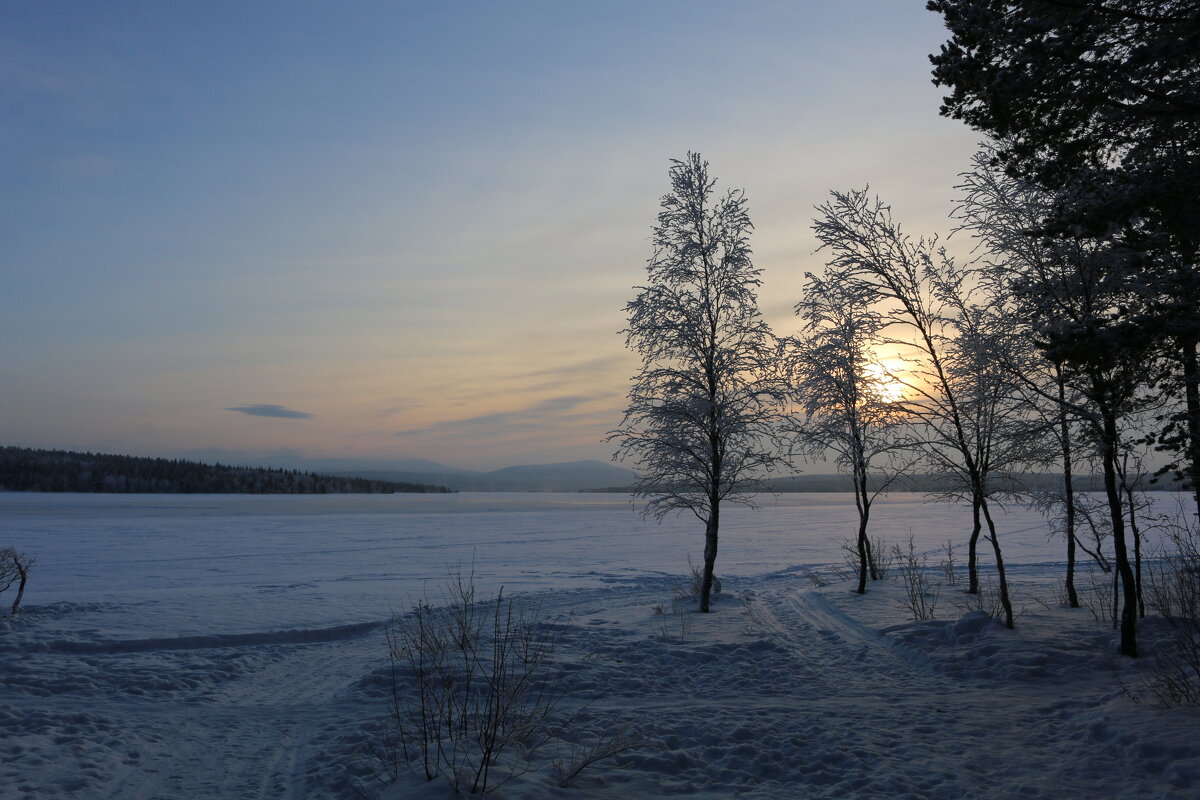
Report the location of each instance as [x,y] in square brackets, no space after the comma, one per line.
[233,646]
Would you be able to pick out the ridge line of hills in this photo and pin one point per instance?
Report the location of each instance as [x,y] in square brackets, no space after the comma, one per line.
[599,476]
[31,469]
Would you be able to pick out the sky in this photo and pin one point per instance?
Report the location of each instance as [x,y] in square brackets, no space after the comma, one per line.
[408,230]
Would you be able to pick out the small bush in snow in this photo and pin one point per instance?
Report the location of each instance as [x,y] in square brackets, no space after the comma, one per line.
[1099,595]
[1173,591]
[695,582]
[14,568]
[475,699]
[676,626]
[878,554]
[949,565]
[987,600]
[882,556]
[472,698]
[920,597]
[613,741]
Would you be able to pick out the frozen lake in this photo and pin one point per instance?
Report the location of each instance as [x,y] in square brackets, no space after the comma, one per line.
[186,564]
[211,647]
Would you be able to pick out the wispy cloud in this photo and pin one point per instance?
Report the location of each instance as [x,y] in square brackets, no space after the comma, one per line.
[270,410]
[531,417]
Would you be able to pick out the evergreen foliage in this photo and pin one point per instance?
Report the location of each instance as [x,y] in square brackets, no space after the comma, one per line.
[24,469]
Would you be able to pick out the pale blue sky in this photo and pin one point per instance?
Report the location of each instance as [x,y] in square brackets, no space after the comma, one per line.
[407,229]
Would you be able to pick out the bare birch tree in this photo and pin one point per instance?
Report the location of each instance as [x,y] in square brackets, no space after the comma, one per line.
[953,388]
[1075,297]
[704,406]
[845,399]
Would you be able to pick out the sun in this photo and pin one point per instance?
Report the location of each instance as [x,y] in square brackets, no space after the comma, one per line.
[882,377]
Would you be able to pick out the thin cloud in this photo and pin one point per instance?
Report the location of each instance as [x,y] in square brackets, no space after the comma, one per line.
[524,419]
[270,410]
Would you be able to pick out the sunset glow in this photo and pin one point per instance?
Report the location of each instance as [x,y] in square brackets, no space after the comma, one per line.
[236,231]
[884,378]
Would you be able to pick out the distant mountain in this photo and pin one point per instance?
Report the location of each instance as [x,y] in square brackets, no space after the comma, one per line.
[573,476]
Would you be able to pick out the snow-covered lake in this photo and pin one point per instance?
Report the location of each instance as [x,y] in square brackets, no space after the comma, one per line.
[236,563]
[206,646]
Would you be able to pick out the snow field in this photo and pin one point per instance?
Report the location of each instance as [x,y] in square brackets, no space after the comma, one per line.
[242,655]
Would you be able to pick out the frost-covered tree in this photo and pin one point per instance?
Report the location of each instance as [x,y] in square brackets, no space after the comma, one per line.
[846,398]
[1003,214]
[954,387]
[1073,295]
[704,405]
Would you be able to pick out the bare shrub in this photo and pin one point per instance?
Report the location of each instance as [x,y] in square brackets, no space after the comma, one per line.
[1099,596]
[948,564]
[694,584]
[987,600]
[881,557]
[1062,596]
[1172,590]
[613,741]
[472,699]
[1037,598]
[14,568]
[839,571]
[848,568]
[676,625]
[920,598]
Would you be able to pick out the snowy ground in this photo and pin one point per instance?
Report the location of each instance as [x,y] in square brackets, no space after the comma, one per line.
[212,647]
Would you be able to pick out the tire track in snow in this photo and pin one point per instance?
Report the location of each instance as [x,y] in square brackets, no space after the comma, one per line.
[256,736]
[893,719]
[883,711]
[293,636]
[822,635]
[267,733]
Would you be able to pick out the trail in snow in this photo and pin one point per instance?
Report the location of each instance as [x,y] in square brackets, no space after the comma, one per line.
[794,695]
[785,690]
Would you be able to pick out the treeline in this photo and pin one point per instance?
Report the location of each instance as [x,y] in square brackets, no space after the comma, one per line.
[24,469]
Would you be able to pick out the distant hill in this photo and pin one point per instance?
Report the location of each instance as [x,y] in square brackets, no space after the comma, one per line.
[928,483]
[28,469]
[573,476]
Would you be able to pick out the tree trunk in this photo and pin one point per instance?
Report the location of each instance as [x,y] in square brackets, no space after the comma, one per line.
[862,554]
[16,606]
[972,559]
[1068,488]
[710,555]
[1191,390]
[1137,549]
[1117,518]
[1000,574]
[865,562]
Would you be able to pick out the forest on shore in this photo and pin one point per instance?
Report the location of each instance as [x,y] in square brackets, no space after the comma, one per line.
[24,469]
